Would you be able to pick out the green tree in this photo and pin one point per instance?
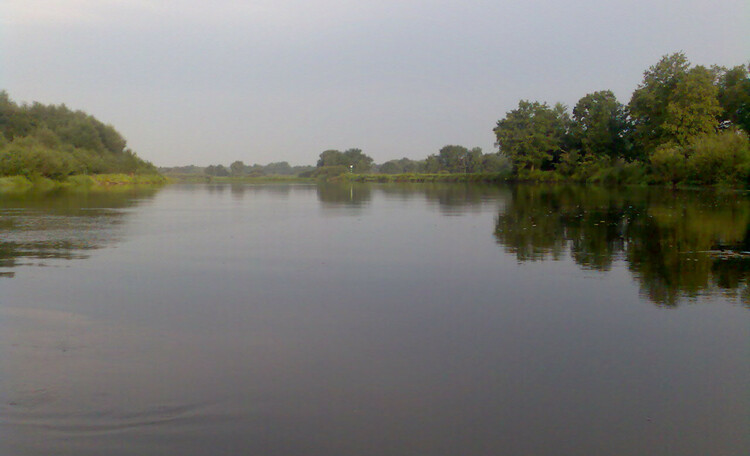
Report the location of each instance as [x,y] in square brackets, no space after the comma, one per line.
[352,159]
[14,121]
[734,96]
[473,162]
[278,168]
[693,108]
[495,163]
[719,158]
[237,169]
[533,135]
[431,164]
[673,104]
[54,141]
[391,167]
[600,125]
[221,171]
[357,161]
[331,157]
[648,104]
[453,159]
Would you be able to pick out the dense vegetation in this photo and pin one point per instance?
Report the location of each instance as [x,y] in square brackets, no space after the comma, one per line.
[452,163]
[684,124]
[55,142]
[236,170]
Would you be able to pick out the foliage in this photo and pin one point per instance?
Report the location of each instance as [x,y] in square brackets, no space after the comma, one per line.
[54,142]
[674,103]
[734,95]
[683,125]
[669,164]
[128,179]
[327,172]
[693,108]
[429,177]
[715,158]
[237,169]
[719,158]
[218,170]
[648,104]
[352,159]
[600,125]
[403,165]
[532,136]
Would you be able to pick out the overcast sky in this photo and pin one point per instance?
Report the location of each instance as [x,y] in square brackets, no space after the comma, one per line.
[205,82]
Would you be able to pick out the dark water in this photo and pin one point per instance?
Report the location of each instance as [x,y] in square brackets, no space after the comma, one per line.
[381,320]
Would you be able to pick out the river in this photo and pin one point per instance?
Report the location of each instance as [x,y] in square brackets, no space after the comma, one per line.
[374,320]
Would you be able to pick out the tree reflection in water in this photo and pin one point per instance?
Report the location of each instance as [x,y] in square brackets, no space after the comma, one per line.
[677,245]
[36,227]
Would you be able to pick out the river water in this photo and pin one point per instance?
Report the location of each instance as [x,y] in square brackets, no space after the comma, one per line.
[374,320]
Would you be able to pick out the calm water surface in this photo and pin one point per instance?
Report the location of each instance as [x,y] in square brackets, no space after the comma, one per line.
[374,320]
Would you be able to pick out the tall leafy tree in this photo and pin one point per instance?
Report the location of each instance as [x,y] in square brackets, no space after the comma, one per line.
[473,162]
[533,135]
[674,103]
[352,158]
[600,125]
[358,161]
[453,158]
[734,95]
[648,104]
[693,107]
[331,157]
[237,168]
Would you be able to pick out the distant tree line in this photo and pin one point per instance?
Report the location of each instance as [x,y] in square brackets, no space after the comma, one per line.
[683,124]
[54,141]
[450,159]
[238,169]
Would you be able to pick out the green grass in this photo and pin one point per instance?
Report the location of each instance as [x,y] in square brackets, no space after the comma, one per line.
[126,179]
[198,178]
[14,182]
[80,181]
[420,177]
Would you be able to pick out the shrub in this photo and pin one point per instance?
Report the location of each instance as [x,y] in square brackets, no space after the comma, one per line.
[719,158]
[668,164]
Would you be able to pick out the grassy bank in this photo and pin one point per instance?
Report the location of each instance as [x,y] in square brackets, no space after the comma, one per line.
[81,181]
[419,177]
[201,178]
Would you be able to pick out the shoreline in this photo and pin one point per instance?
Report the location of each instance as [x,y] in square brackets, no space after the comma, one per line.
[80,181]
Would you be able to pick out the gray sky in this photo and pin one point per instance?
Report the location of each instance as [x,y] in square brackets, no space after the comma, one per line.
[202,82]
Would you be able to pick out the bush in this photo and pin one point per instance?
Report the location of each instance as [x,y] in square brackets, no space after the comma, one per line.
[668,164]
[327,172]
[721,158]
[617,171]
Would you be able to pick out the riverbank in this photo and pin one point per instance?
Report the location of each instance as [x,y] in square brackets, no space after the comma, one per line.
[202,178]
[419,177]
[81,181]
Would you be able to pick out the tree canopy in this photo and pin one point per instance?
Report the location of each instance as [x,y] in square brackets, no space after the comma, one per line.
[353,159]
[672,130]
[533,134]
[55,141]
